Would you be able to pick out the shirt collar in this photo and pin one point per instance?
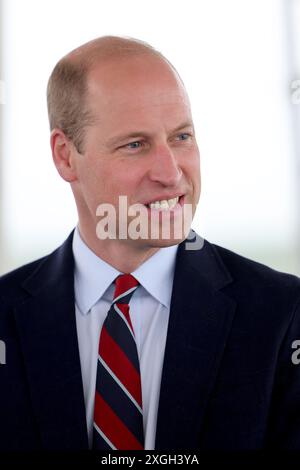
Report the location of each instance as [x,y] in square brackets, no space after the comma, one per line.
[157,273]
[93,276]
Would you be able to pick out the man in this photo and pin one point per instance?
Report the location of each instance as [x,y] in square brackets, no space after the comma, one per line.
[141,342]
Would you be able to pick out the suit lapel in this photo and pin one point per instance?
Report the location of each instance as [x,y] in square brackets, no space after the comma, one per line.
[200,320]
[47,329]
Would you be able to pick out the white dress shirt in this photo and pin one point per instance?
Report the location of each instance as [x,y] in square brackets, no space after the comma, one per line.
[149,312]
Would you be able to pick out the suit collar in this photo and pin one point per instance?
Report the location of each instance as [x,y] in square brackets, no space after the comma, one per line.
[200,320]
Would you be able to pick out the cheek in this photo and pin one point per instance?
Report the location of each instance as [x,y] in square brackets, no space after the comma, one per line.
[192,169]
[198,170]
[126,177]
[191,165]
[94,181]
[104,180]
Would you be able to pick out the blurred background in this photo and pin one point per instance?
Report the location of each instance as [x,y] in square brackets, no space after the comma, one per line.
[240,61]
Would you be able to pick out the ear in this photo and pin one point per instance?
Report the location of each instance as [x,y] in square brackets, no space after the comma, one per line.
[63,154]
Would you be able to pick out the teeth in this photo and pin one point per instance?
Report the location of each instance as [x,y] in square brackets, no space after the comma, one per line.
[164,204]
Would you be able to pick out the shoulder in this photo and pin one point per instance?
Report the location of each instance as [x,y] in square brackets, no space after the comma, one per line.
[12,294]
[244,269]
[254,286]
[220,267]
[29,278]
[258,285]
[11,290]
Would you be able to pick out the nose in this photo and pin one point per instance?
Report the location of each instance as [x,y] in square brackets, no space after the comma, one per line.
[164,167]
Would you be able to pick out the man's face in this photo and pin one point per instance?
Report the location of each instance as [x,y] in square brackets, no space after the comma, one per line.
[142,145]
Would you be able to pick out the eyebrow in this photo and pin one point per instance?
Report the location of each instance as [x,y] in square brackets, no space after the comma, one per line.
[138,133]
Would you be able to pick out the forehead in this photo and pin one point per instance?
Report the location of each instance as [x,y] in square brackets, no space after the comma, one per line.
[143,87]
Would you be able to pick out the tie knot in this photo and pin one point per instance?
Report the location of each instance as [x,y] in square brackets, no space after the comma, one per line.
[126,284]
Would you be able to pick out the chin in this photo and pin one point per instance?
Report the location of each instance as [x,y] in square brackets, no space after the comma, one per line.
[161,242]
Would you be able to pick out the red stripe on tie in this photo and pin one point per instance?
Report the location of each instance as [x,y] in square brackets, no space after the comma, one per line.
[124,283]
[113,428]
[120,365]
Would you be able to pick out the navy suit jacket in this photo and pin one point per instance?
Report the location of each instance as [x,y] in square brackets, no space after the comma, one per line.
[228,380]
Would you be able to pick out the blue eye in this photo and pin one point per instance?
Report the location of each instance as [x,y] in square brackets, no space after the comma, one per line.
[184,136]
[134,145]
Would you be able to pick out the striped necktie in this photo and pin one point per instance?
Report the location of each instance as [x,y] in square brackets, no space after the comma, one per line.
[118,415]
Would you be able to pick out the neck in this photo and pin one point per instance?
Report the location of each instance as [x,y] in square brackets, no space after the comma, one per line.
[124,255]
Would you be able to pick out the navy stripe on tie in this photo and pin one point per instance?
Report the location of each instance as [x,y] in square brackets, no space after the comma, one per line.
[125,299]
[99,442]
[119,402]
[119,332]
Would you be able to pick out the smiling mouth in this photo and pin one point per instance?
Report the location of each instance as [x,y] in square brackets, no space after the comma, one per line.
[165,204]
